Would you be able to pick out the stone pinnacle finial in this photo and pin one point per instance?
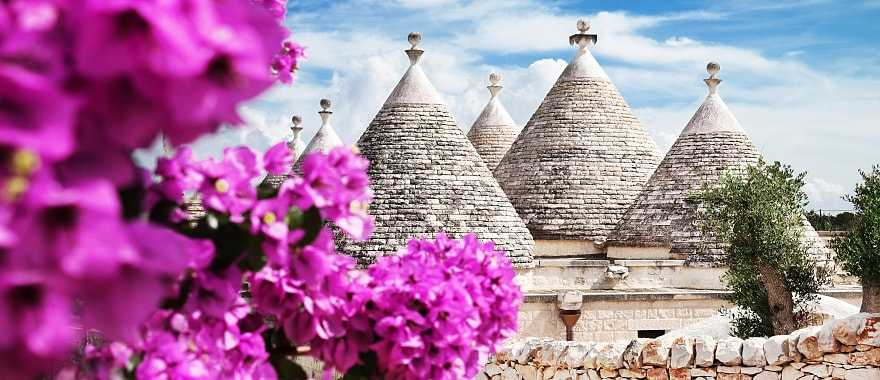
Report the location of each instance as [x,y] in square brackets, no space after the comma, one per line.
[414,53]
[494,84]
[494,78]
[583,26]
[713,68]
[296,120]
[414,39]
[582,38]
[325,111]
[712,81]
[295,128]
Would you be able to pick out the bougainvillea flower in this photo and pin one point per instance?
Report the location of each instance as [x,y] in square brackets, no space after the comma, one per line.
[77,228]
[277,8]
[278,159]
[440,285]
[215,293]
[178,175]
[337,184]
[286,62]
[227,183]
[244,39]
[35,317]
[268,218]
[25,121]
[133,37]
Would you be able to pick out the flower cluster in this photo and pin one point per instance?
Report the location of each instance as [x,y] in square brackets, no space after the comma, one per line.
[100,361]
[337,185]
[82,84]
[334,184]
[72,248]
[440,308]
[188,345]
[89,243]
[435,311]
[197,345]
[304,285]
[286,62]
[317,305]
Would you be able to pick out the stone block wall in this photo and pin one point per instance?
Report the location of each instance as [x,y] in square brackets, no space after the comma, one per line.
[842,349]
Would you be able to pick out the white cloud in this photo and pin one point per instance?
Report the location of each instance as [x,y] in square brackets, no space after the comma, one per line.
[823,194]
[817,121]
[425,3]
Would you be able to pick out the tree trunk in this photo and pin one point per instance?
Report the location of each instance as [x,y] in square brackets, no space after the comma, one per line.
[870,296]
[780,301]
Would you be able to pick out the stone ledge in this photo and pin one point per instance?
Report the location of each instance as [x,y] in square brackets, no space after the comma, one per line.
[566,262]
[634,295]
[668,294]
[650,263]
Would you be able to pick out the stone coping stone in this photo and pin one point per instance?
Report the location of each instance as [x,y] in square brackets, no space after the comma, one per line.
[661,294]
[650,263]
[632,295]
[568,262]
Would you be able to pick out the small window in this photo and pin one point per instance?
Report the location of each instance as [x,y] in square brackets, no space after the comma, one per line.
[651,333]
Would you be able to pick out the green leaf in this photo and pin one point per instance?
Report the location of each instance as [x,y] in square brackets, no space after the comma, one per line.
[366,370]
[286,368]
[311,224]
[132,200]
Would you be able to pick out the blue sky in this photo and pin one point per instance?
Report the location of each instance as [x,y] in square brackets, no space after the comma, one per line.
[802,77]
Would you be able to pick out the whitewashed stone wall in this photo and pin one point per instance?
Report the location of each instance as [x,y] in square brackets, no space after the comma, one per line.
[843,349]
[617,319]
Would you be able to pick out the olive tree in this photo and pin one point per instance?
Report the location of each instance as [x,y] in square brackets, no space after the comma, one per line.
[756,215]
[858,251]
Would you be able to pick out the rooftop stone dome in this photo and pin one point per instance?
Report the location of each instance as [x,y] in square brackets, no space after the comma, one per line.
[427,177]
[712,143]
[295,145]
[581,159]
[494,130]
[325,138]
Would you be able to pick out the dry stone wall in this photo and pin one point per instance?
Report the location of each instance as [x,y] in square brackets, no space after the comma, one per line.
[842,349]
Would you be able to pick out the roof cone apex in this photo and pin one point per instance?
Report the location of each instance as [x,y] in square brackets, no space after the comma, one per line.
[494,130]
[296,144]
[583,64]
[326,138]
[414,87]
[713,115]
[494,114]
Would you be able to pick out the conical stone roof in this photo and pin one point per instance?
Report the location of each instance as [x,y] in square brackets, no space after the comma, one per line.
[581,159]
[427,177]
[296,146]
[712,143]
[494,131]
[325,138]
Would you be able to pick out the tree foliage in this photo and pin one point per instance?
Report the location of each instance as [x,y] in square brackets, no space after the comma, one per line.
[842,221]
[859,250]
[757,216]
